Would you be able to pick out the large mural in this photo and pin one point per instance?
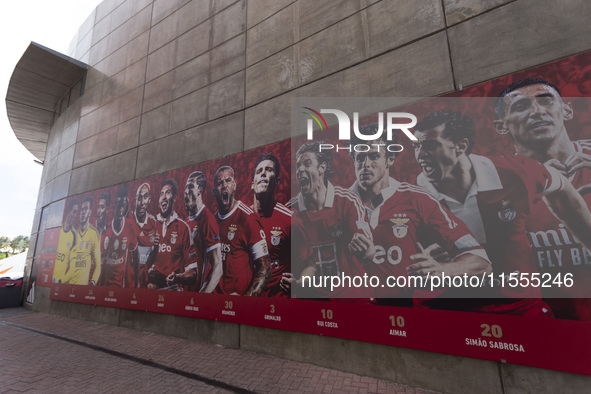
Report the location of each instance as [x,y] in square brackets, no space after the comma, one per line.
[488,187]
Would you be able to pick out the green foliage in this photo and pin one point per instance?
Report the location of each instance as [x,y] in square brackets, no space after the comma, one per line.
[12,246]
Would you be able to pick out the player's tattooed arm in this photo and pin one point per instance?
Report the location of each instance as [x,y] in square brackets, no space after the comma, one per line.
[261,277]
[152,256]
[215,256]
[189,277]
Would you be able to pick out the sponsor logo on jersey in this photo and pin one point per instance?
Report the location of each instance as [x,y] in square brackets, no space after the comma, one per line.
[507,213]
[164,248]
[275,238]
[232,231]
[400,229]
[173,237]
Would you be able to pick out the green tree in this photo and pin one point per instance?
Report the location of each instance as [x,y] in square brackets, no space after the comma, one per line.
[5,246]
[19,243]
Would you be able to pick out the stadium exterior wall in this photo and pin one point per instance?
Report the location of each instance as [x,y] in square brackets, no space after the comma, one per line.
[172,83]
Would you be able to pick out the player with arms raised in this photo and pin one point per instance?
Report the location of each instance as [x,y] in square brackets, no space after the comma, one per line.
[245,255]
[276,220]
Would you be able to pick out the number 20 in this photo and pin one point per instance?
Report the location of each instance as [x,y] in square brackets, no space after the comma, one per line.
[496,331]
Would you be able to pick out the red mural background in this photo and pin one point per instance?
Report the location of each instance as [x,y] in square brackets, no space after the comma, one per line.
[546,343]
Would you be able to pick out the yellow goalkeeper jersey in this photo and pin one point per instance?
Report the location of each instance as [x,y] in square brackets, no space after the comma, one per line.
[83,256]
[66,243]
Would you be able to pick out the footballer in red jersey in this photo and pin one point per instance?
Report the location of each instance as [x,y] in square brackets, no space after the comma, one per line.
[405,218]
[205,273]
[119,245]
[494,197]
[245,256]
[147,226]
[533,113]
[335,224]
[101,211]
[173,248]
[276,221]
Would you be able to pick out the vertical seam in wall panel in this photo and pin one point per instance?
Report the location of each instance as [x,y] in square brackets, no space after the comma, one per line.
[245,14]
[451,63]
[365,27]
[137,154]
[444,15]
[501,378]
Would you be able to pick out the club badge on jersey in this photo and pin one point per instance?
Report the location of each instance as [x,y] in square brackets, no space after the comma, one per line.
[106,243]
[507,213]
[232,231]
[123,243]
[275,237]
[173,237]
[400,229]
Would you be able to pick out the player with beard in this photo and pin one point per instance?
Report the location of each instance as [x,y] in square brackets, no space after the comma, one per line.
[86,254]
[66,243]
[335,223]
[404,218]
[245,255]
[147,226]
[203,275]
[119,243]
[276,220]
[173,249]
[101,211]
[494,197]
[533,113]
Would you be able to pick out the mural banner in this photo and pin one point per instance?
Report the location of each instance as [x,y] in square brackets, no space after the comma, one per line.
[456,224]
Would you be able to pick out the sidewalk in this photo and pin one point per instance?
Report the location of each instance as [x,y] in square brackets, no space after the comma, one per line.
[46,353]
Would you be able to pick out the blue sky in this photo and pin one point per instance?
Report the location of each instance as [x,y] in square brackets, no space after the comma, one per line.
[52,24]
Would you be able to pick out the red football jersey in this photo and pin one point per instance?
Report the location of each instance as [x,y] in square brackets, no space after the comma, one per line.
[408,215]
[205,234]
[505,190]
[556,250]
[145,244]
[278,234]
[175,250]
[329,232]
[117,249]
[243,242]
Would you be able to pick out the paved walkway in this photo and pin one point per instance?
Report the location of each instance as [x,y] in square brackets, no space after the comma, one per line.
[45,353]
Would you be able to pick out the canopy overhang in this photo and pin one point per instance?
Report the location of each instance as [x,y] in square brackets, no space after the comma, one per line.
[41,78]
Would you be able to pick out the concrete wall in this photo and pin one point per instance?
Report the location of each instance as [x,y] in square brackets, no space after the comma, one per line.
[177,82]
